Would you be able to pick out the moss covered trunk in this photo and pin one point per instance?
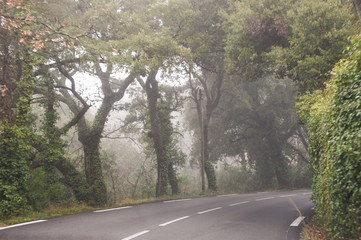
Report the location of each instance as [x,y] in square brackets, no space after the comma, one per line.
[152,90]
[93,171]
[208,167]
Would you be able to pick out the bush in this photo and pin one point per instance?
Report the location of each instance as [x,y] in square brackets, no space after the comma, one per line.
[14,153]
[334,120]
[44,193]
[235,179]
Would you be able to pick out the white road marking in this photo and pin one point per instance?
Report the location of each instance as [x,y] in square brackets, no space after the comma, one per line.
[209,210]
[178,200]
[239,203]
[297,222]
[136,235]
[290,195]
[173,221]
[22,224]
[261,199]
[227,195]
[306,193]
[112,209]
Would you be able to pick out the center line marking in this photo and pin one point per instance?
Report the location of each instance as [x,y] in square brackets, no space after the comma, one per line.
[306,193]
[22,224]
[177,200]
[112,209]
[290,195]
[239,203]
[173,221]
[261,199]
[209,210]
[136,235]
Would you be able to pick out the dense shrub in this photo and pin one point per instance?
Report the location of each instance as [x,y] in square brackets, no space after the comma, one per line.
[14,152]
[236,179]
[44,193]
[334,120]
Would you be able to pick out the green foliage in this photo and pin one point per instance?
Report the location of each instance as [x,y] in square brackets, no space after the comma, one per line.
[15,146]
[44,194]
[318,32]
[258,123]
[14,154]
[253,28]
[235,179]
[334,120]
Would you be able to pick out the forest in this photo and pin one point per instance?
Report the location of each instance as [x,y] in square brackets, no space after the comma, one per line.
[103,101]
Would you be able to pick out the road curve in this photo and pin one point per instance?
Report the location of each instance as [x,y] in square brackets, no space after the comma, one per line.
[268,216]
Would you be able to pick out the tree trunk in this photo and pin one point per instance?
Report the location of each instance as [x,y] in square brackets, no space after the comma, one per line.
[357,8]
[90,135]
[6,86]
[208,167]
[198,102]
[74,179]
[93,171]
[173,179]
[279,164]
[162,163]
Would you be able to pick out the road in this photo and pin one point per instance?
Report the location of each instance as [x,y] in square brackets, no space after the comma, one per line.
[256,216]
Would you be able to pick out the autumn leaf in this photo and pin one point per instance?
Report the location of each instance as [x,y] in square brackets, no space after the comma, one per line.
[26,33]
[3,90]
[38,44]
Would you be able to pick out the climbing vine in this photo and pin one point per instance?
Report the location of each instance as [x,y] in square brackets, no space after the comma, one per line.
[15,146]
[334,120]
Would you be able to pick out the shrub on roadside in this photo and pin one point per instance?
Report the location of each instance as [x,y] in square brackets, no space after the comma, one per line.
[334,121]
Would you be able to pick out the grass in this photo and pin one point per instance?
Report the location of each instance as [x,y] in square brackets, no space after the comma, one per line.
[47,213]
[311,231]
[55,211]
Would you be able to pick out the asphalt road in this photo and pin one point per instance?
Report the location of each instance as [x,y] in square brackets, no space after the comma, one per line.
[257,216]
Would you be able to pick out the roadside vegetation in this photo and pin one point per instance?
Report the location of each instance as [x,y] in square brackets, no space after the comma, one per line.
[334,120]
[110,103]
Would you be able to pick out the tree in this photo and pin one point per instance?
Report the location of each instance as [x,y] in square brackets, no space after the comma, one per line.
[258,122]
[16,82]
[200,30]
[252,29]
[102,54]
[314,47]
[158,53]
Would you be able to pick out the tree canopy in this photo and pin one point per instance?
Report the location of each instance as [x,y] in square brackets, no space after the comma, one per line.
[190,96]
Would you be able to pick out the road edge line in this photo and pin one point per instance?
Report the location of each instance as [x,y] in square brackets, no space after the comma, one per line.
[297,221]
[112,209]
[22,224]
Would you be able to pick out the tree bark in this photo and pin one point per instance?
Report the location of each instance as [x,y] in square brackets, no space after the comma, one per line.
[74,179]
[198,102]
[211,83]
[208,167]
[152,90]
[173,179]
[90,135]
[6,85]
[93,171]
[356,4]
